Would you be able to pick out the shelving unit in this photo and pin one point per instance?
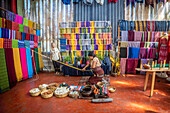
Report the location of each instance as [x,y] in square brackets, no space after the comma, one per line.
[78,38]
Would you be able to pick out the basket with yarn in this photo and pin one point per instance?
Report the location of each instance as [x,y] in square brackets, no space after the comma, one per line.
[61,92]
[35,92]
[46,94]
[53,86]
[43,87]
[74,94]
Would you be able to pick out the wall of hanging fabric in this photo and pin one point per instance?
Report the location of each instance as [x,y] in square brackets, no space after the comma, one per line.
[142,40]
[112,12]
[147,10]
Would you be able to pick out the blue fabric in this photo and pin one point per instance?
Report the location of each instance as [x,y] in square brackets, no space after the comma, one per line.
[168,26]
[134,52]
[38,32]
[23,36]
[21,44]
[29,63]
[66,2]
[0,33]
[7,33]
[108,62]
[27,44]
[76,1]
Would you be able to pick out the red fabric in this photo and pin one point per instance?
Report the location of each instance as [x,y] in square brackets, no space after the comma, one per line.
[27,36]
[35,44]
[33,60]
[95,79]
[130,35]
[153,25]
[13,6]
[169,49]
[114,1]
[7,43]
[15,26]
[8,24]
[131,65]
[10,67]
[148,25]
[35,38]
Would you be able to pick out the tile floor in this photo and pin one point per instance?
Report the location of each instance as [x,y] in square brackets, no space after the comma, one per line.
[128,98]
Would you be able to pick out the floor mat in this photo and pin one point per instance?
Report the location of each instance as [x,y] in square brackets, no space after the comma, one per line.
[84,80]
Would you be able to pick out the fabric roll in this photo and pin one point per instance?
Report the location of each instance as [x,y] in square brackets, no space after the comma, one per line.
[1,42]
[133,52]
[29,63]
[23,36]
[142,53]
[4,81]
[17,64]
[138,35]
[124,36]
[40,59]
[27,36]
[14,43]
[133,44]
[21,44]
[123,66]
[7,43]
[10,67]
[130,35]
[37,60]
[17,35]
[131,65]
[23,63]
[123,52]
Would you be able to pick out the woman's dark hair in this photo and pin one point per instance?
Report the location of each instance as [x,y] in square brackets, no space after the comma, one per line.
[91,54]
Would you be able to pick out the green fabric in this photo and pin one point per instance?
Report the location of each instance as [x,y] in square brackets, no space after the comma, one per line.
[39,44]
[156,47]
[0,22]
[14,43]
[20,7]
[21,28]
[37,60]
[25,22]
[4,83]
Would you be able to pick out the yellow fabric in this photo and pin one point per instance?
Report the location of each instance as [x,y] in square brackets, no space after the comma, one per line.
[77,30]
[100,47]
[41,64]
[136,25]
[92,23]
[72,35]
[91,36]
[140,26]
[100,41]
[77,24]
[97,52]
[78,53]
[72,56]
[30,23]
[17,64]
[144,24]
[149,36]
[1,42]
[97,35]
[0,22]
[92,30]
[34,32]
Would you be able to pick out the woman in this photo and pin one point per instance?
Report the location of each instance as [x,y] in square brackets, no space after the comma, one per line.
[55,55]
[96,67]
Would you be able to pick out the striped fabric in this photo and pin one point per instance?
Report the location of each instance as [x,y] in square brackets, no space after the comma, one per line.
[7,43]
[41,64]
[17,64]
[4,83]
[14,43]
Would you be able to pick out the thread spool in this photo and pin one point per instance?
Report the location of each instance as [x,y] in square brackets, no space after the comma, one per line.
[155,63]
[164,63]
[152,64]
[141,64]
[160,67]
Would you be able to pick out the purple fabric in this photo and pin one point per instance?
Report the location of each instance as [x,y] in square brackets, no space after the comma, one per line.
[94,41]
[124,36]
[131,65]
[153,37]
[152,45]
[77,36]
[87,24]
[138,35]
[145,36]
[78,47]
[130,35]
[123,66]
[88,30]
[82,53]
[82,24]
[133,44]
[144,62]
[142,53]
[153,53]
[31,44]
[96,47]
[93,35]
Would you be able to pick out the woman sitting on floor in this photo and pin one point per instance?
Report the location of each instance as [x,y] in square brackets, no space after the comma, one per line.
[96,67]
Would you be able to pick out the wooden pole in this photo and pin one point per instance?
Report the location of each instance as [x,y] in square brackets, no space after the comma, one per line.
[141,64]
[164,63]
[155,63]
[152,65]
[160,67]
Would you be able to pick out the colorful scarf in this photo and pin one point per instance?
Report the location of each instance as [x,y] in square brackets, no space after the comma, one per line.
[17,64]
[25,23]
[123,52]
[10,67]
[4,82]
[23,63]
[29,63]
[21,28]
[138,35]
[7,43]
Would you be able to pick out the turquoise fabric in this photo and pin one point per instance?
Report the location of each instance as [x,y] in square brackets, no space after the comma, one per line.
[29,63]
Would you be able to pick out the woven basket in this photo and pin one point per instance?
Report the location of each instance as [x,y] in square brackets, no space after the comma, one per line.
[111,89]
[41,88]
[34,94]
[61,96]
[47,95]
[100,84]
[53,86]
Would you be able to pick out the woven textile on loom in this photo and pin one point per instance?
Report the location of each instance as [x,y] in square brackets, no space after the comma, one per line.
[17,64]
[4,82]
[10,67]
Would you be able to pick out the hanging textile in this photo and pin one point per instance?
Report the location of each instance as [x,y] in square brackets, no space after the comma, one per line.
[124,36]
[30,23]
[13,6]
[123,52]
[20,7]
[7,43]
[10,67]
[114,1]
[138,35]
[149,2]
[131,65]
[29,63]
[1,42]
[21,28]
[4,81]
[33,60]
[37,60]
[142,53]
[8,24]
[133,52]
[130,35]
[14,43]
[23,63]
[21,44]
[144,62]
[66,2]
[123,66]
[129,2]
[25,22]
[40,59]
[17,64]
[2,13]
